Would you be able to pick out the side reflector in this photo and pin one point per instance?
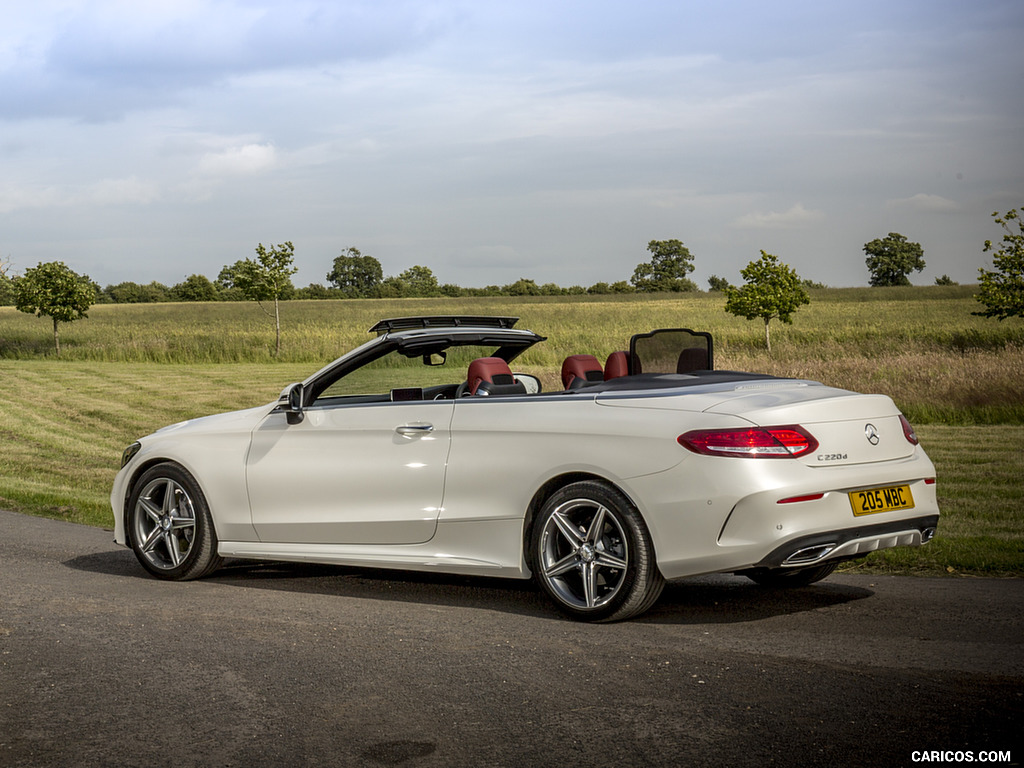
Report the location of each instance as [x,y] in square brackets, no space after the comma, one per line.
[751,442]
[795,499]
[929,481]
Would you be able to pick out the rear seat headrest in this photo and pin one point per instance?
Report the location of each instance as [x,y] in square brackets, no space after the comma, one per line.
[577,370]
[617,365]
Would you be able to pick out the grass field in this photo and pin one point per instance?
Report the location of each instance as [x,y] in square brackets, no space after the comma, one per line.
[130,369]
[921,346]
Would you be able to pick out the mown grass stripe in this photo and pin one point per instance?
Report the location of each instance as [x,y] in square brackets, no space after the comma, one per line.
[63,426]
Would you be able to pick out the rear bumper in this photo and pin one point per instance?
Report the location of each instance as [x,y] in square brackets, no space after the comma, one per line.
[741,514]
[851,542]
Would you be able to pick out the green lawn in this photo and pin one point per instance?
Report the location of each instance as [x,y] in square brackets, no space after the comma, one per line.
[130,369]
[919,345]
[64,425]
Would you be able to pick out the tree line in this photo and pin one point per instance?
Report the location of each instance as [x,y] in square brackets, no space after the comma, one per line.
[772,290]
[356,275]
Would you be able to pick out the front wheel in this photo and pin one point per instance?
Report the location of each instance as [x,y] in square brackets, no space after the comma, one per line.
[592,554]
[169,525]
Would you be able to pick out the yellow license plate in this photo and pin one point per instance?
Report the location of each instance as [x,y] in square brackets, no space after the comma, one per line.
[874,500]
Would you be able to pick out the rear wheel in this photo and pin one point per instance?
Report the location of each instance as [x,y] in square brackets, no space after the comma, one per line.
[791,577]
[170,526]
[593,555]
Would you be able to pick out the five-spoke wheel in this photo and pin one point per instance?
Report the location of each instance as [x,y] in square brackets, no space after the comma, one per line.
[593,555]
[169,523]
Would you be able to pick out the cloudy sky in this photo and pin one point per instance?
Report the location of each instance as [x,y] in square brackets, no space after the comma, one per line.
[490,141]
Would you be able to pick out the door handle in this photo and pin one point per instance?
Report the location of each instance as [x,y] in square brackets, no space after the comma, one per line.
[411,430]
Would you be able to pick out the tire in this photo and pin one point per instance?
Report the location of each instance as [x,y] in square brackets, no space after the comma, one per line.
[592,554]
[169,525]
[783,578]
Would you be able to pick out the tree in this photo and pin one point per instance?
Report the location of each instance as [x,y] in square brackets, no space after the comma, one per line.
[225,284]
[54,290]
[6,291]
[194,288]
[772,290]
[1001,290]
[521,287]
[317,291]
[356,275]
[133,293]
[892,258]
[392,288]
[419,282]
[945,280]
[6,284]
[266,278]
[670,263]
[451,290]
[716,283]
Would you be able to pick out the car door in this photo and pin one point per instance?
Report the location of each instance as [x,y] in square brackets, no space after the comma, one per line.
[350,473]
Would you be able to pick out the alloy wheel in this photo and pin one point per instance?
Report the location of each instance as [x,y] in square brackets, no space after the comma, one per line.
[165,523]
[584,554]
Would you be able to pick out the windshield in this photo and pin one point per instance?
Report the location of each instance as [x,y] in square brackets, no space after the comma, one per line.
[433,373]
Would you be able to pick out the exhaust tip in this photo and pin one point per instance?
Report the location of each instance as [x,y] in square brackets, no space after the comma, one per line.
[927,535]
[809,554]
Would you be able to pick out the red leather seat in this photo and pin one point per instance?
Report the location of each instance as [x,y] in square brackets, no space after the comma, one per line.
[577,370]
[492,376]
[617,365]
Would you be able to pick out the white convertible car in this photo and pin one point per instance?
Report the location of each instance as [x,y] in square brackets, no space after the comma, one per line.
[423,450]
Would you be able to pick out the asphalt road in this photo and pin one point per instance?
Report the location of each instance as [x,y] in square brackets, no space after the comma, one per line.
[281,665]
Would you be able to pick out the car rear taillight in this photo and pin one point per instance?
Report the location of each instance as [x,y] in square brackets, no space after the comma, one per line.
[908,430]
[751,442]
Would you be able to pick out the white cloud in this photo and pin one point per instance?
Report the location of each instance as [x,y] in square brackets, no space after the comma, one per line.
[129,190]
[924,203]
[14,197]
[239,161]
[120,191]
[795,218]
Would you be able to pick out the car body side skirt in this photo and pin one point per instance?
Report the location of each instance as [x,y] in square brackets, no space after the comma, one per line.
[455,548]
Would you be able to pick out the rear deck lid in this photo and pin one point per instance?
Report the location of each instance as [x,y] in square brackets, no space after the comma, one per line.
[850,428]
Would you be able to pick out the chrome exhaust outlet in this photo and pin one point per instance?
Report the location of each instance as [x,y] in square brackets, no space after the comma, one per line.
[809,554]
[927,535]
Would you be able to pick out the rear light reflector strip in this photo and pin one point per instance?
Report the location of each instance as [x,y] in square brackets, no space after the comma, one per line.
[806,497]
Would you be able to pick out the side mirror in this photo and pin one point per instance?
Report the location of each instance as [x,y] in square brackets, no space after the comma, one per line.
[435,358]
[293,396]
